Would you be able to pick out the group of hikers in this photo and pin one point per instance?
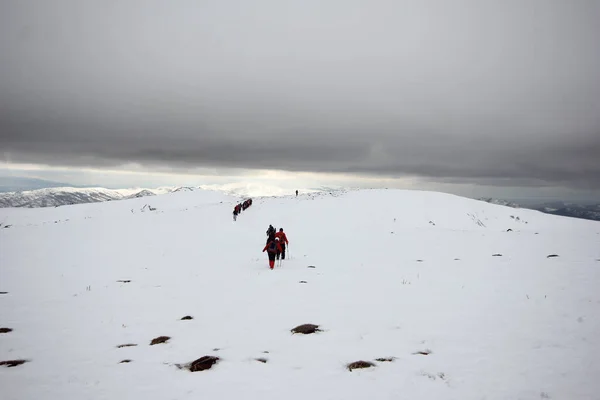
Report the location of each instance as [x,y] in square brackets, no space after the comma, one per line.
[277,242]
[237,210]
[276,245]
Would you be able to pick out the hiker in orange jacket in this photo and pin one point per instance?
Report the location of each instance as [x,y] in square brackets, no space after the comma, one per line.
[283,240]
[272,248]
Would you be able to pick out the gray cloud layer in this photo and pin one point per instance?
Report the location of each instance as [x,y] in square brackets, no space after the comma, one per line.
[488,91]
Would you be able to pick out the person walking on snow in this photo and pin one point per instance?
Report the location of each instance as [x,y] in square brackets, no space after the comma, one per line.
[283,240]
[272,248]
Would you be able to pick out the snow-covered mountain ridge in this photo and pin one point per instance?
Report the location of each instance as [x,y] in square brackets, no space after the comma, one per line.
[54,197]
[445,297]
[61,196]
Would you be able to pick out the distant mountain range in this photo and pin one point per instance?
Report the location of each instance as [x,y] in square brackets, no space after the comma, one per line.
[61,196]
[55,197]
[583,211]
[18,184]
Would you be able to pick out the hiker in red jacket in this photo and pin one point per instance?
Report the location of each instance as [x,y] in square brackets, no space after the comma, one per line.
[283,240]
[272,248]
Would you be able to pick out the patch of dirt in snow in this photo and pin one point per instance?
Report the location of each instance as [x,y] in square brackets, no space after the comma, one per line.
[126,345]
[12,363]
[159,340]
[5,330]
[423,352]
[433,377]
[187,318]
[306,329]
[385,359]
[359,365]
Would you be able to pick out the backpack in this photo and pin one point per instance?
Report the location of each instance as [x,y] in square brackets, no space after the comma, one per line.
[272,247]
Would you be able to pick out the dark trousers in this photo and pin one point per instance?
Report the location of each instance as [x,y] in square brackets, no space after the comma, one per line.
[282,252]
[271,260]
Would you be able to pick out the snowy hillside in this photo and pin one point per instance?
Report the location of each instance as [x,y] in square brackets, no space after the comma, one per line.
[54,197]
[447,297]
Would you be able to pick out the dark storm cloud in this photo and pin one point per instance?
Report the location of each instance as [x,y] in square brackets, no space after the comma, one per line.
[485,91]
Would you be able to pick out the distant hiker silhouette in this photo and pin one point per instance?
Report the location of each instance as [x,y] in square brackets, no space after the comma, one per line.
[283,240]
[272,248]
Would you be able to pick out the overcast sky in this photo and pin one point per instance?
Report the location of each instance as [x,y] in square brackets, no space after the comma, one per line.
[476,92]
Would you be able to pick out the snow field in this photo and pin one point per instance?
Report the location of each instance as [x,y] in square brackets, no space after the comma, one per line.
[517,326]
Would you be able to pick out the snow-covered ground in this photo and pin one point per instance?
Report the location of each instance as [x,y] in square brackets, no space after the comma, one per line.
[395,273]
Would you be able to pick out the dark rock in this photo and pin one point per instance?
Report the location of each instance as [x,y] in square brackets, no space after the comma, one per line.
[360,365]
[306,329]
[497,255]
[302,281]
[187,318]
[124,281]
[12,363]
[125,361]
[385,359]
[126,345]
[311,266]
[159,340]
[5,330]
[262,360]
[203,363]
[552,256]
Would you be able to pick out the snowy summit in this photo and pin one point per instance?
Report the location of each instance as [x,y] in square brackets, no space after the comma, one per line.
[400,295]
